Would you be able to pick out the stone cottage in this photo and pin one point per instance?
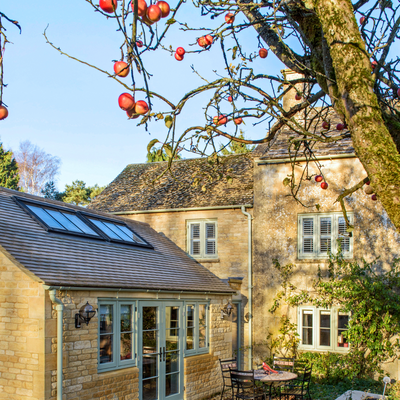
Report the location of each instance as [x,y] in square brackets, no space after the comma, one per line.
[101,306]
[276,227]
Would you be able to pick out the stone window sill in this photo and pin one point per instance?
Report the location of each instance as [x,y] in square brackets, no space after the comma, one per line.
[207,260]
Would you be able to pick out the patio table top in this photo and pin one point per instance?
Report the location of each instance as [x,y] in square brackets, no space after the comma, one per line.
[280,376]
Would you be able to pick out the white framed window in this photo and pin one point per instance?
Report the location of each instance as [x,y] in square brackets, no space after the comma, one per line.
[318,235]
[197,327]
[202,238]
[117,321]
[322,329]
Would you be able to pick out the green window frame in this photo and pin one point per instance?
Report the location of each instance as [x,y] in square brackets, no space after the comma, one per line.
[117,331]
[197,327]
[322,329]
[318,235]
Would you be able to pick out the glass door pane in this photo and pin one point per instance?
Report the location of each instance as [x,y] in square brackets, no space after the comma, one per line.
[150,354]
[172,350]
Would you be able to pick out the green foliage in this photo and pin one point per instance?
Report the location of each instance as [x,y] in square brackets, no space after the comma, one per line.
[50,191]
[162,154]
[9,177]
[77,193]
[370,294]
[236,148]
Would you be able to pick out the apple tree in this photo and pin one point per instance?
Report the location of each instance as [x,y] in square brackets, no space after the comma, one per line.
[342,50]
[3,42]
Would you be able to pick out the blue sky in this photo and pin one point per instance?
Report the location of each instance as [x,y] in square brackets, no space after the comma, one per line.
[71,110]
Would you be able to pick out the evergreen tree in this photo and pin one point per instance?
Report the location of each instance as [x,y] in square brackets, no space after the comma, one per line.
[50,192]
[9,177]
[236,148]
[77,193]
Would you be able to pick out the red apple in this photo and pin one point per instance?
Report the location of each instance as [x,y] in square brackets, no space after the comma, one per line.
[326,125]
[126,101]
[373,64]
[142,7]
[263,53]
[230,98]
[298,96]
[121,68]
[146,20]
[178,57]
[141,107]
[181,51]
[398,92]
[164,7]
[3,112]
[107,5]
[202,42]
[324,185]
[154,13]
[339,127]
[367,183]
[132,115]
[238,120]
[139,43]
[209,39]
[374,198]
[220,120]
[229,18]
[318,178]
[362,20]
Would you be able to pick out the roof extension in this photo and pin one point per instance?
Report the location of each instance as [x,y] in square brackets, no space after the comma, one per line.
[189,185]
[59,259]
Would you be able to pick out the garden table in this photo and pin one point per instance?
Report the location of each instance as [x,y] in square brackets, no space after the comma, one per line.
[270,379]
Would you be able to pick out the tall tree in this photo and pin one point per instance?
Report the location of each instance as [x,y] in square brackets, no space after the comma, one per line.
[8,169]
[36,167]
[344,68]
[79,194]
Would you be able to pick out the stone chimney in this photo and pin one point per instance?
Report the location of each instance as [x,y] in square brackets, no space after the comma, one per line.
[289,99]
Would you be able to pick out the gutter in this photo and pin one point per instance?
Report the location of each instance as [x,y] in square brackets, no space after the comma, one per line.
[90,288]
[299,159]
[181,209]
[59,308]
[250,285]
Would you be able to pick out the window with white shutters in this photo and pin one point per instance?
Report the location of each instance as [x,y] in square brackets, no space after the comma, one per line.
[202,238]
[320,234]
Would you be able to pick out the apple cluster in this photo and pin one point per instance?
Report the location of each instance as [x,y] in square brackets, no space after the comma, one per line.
[133,109]
[205,41]
[179,53]
[320,178]
[369,191]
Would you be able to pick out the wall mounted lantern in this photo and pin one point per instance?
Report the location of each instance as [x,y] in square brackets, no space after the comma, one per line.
[85,314]
[226,310]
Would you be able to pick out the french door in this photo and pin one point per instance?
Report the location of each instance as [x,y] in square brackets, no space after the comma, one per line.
[160,350]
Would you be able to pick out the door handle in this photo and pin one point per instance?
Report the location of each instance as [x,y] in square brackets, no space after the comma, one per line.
[161,354]
[164,353]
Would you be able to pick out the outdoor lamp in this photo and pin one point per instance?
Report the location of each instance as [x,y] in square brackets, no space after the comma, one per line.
[226,310]
[85,314]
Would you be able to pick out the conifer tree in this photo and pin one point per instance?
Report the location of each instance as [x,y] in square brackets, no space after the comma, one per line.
[9,177]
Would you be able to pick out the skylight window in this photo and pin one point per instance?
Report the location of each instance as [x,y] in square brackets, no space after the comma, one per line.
[61,220]
[80,223]
[116,231]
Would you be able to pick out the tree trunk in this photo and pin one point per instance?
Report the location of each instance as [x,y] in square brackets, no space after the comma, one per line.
[372,141]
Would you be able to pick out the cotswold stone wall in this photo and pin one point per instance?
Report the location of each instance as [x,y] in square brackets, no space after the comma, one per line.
[232,242]
[21,334]
[81,379]
[276,232]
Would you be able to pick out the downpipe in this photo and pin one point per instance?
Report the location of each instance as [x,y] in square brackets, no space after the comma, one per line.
[250,285]
[60,309]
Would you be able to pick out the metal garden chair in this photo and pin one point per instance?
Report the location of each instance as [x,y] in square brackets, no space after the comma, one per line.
[227,365]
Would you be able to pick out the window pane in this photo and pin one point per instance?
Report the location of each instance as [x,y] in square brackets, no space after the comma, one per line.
[118,231]
[203,314]
[210,246]
[190,315]
[150,389]
[150,342]
[325,331]
[202,337]
[105,229]
[343,321]
[65,222]
[307,331]
[172,362]
[325,227]
[106,318]
[126,346]
[325,245]
[308,226]
[45,217]
[80,224]
[210,231]
[325,337]
[325,319]
[130,234]
[342,234]
[195,231]
[172,384]
[149,318]
[106,346]
[195,248]
[308,245]
[149,366]
[189,339]
[126,318]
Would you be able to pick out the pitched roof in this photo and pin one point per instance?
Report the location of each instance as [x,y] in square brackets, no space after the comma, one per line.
[192,183]
[278,147]
[58,259]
